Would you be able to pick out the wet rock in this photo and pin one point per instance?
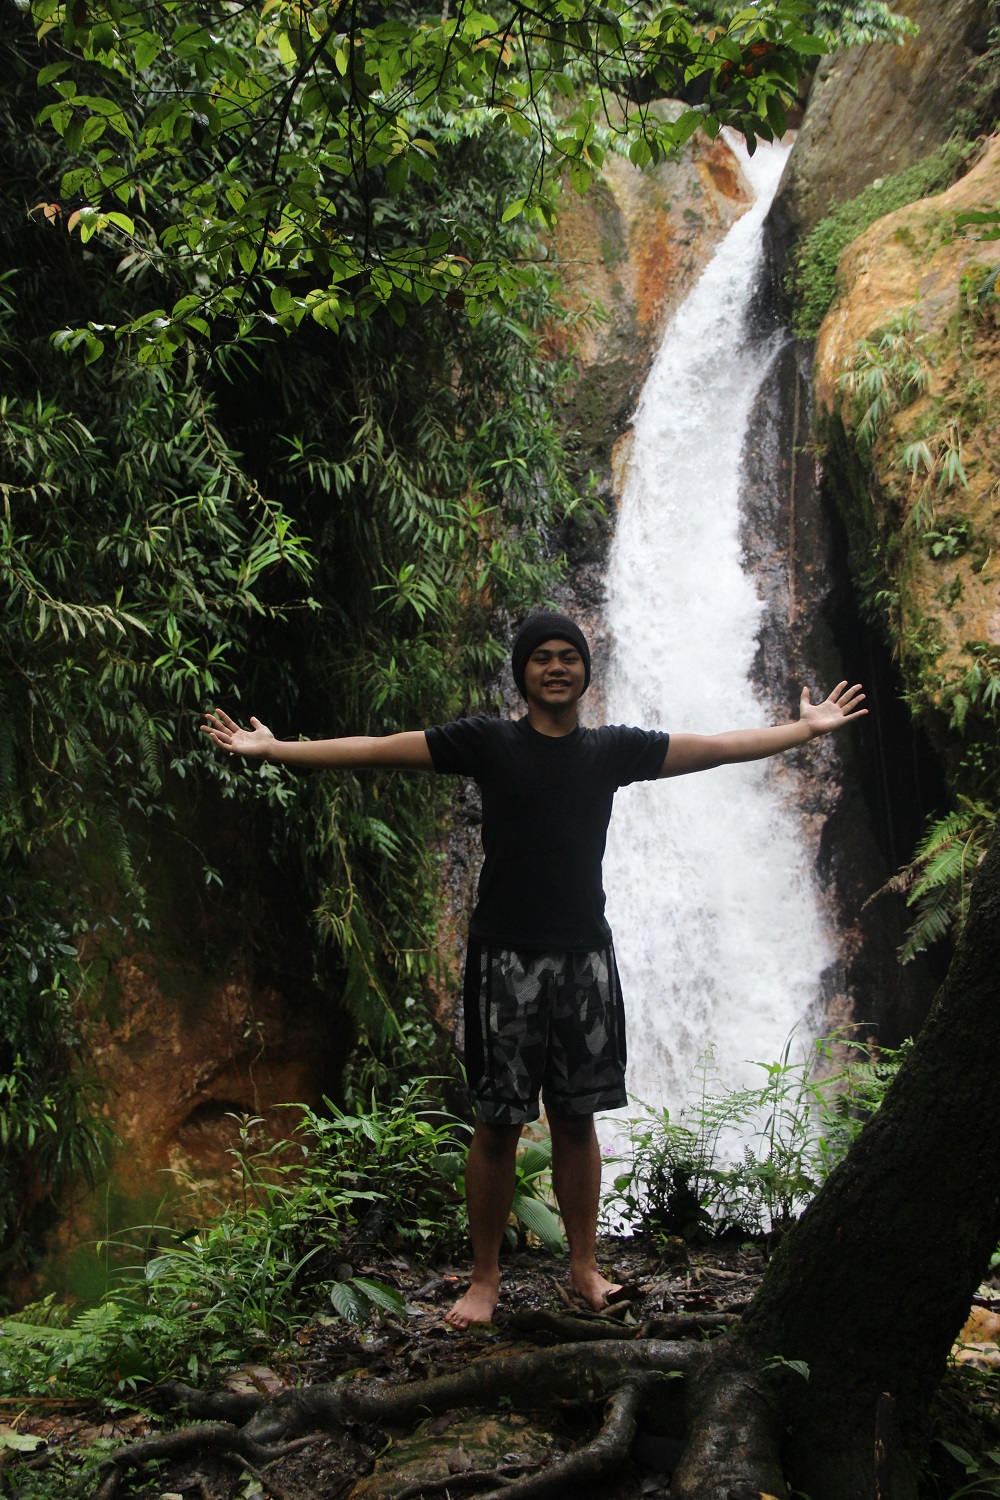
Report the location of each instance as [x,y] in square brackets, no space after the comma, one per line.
[633,246]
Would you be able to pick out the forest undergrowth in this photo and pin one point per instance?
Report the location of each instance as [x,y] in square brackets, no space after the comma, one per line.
[337,1250]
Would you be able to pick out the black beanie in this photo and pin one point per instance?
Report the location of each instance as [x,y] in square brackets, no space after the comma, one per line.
[545,625]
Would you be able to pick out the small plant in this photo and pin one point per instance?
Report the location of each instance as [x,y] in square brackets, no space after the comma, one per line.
[531,1204]
[938,880]
[252,1271]
[385,1176]
[937,457]
[886,373]
[746,1161]
[532,1189]
[949,541]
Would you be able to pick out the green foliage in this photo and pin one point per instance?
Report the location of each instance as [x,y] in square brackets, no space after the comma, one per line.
[331,530]
[948,541]
[273,158]
[938,880]
[814,278]
[532,1192]
[963,1436]
[853,23]
[531,1204]
[691,1177]
[985,221]
[841,23]
[256,1268]
[384,1176]
[886,373]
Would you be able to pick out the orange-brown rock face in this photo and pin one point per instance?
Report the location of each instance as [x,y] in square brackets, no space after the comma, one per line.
[183,1035]
[178,1069]
[939,535]
[629,250]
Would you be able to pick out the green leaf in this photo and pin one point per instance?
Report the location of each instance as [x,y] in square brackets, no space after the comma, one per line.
[147,49]
[962,1455]
[535,1158]
[808,46]
[19,1442]
[52,71]
[541,1220]
[351,1304]
[385,1297]
[580,174]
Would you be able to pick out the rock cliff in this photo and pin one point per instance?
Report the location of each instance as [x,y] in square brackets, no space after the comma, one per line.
[916,327]
[874,110]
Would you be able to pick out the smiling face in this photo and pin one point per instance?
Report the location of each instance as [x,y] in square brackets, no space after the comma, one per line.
[554,675]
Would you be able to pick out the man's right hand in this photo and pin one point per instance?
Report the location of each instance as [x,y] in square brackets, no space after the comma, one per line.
[256,743]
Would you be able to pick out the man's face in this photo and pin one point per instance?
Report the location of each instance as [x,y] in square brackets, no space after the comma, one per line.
[554,674]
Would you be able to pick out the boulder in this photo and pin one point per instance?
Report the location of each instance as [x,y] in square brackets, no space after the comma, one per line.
[878,109]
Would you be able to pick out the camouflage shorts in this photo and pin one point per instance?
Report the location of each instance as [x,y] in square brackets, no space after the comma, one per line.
[551,1021]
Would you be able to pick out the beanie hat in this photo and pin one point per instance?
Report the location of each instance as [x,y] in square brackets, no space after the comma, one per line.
[545,625]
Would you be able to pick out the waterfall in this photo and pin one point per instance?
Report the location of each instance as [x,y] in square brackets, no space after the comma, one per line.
[718,927]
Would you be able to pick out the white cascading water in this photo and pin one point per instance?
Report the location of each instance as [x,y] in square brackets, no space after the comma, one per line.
[718,928]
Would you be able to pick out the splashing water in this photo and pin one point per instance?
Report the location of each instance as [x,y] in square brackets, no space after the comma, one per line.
[718,928]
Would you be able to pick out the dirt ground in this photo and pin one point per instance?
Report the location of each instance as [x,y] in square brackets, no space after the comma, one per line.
[462,1452]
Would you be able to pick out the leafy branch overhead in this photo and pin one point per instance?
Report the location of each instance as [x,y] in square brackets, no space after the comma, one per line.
[261,156]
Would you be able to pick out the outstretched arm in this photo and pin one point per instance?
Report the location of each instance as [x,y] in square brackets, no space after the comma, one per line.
[700,752]
[408,751]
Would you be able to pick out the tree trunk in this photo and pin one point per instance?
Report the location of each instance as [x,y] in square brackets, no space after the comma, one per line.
[872,1285]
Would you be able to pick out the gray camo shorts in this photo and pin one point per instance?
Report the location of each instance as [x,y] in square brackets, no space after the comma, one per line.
[543,1021]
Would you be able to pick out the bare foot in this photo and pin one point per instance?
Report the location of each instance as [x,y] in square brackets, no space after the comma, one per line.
[595,1289]
[477,1306]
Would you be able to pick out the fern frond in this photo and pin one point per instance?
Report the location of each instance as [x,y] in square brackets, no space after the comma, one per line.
[935,915]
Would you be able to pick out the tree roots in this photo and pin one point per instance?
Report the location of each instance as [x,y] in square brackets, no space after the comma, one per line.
[732,1447]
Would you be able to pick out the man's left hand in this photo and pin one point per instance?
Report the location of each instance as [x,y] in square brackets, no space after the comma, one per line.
[834,712]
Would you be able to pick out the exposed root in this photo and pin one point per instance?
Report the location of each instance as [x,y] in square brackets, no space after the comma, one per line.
[732,1449]
[606,1453]
[220,1406]
[472,1479]
[569,1329]
[581,1372]
[619,1371]
[223,1438]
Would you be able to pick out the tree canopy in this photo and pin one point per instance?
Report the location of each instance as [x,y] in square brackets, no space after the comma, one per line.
[287,163]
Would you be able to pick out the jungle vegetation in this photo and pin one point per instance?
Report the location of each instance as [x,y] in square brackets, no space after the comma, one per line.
[276,430]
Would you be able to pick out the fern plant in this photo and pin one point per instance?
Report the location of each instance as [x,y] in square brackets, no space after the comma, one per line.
[938,880]
[747,1161]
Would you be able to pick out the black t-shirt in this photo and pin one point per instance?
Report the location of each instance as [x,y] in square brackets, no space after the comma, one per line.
[546,806]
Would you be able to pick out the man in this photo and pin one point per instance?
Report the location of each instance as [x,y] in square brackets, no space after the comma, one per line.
[543,1004]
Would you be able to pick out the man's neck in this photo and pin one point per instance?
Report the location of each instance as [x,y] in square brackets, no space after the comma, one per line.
[556,722]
